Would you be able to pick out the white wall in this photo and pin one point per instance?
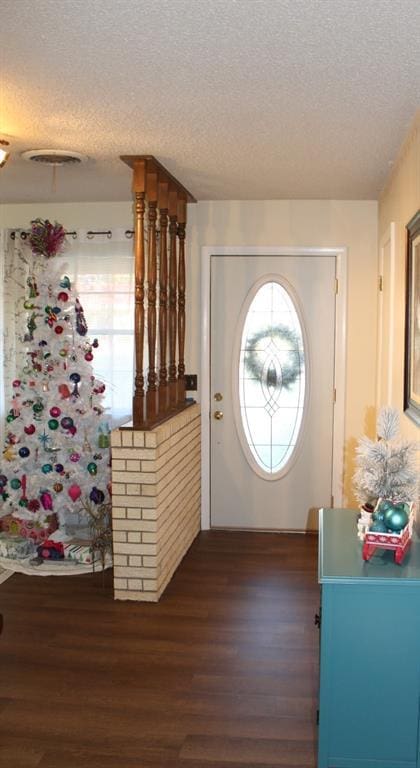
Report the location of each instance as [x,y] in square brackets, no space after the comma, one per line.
[309,223]
[399,202]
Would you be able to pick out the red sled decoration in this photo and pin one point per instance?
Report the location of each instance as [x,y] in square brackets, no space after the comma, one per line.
[399,543]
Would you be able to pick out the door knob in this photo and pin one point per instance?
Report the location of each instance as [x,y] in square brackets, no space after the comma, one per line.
[218,415]
[218,396]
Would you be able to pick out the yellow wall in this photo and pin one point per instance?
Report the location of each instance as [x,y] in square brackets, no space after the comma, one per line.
[309,223]
[398,203]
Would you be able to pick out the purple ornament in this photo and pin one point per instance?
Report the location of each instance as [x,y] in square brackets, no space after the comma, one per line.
[66,422]
[75,457]
[96,495]
[59,468]
[3,480]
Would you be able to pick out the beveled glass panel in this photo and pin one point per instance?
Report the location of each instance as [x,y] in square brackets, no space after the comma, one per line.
[272,377]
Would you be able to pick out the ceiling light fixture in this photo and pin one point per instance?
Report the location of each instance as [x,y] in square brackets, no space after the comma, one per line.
[4,154]
[54,156]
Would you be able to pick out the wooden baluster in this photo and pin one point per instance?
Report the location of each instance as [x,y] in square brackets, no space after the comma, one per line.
[151,395]
[173,226]
[182,222]
[163,399]
[139,187]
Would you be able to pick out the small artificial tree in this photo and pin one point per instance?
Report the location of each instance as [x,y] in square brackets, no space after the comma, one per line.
[54,474]
[386,468]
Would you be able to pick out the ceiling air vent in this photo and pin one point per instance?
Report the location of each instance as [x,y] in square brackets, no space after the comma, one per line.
[54,156]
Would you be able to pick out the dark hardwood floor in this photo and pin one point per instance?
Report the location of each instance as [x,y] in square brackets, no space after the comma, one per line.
[222,672]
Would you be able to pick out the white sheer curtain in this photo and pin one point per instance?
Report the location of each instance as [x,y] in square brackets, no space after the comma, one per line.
[15,267]
[101,269]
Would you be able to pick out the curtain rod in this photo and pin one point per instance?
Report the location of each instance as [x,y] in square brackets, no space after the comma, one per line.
[90,234]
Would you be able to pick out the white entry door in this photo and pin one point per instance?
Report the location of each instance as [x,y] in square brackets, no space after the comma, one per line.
[271,390]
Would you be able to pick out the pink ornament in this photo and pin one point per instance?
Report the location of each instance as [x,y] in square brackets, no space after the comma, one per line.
[46,500]
[88,356]
[55,411]
[74,492]
[75,457]
[73,430]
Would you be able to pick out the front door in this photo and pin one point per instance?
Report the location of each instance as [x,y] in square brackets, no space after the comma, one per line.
[271,390]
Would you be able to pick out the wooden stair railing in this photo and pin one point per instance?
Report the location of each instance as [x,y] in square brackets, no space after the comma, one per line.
[160,287]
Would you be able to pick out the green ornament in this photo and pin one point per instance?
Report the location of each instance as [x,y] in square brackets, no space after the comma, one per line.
[103,440]
[23,503]
[28,304]
[15,483]
[65,282]
[5,496]
[37,407]
[46,468]
[396,518]
[53,424]
[10,418]
[92,468]
[378,527]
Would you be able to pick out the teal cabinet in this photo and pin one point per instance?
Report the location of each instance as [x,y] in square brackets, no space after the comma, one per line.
[369,707]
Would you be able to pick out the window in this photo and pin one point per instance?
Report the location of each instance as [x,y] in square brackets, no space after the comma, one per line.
[271,378]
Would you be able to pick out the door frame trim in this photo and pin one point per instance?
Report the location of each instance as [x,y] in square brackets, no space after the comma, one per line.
[340,356]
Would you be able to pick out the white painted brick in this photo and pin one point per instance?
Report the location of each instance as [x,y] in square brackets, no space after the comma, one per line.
[115,437]
[120,560]
[135,560]
[150,514]
[135,537]
[135,584]
[133,489]
[137,573]
[147,538]
[145,502]
[149,562]
[129,453]
[120,583]
[118,464]
[143,549]
[148,466]
[138,439]
[149,490]
[118,487]
[124,548]
[134,477]
[133,466]
[119,536]
[118,512]
[123,501]
[134,514]
[127,437]
[150,585]
[135,525]
[150,440]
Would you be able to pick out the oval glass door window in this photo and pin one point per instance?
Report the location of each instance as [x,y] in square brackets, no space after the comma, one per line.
[271,378]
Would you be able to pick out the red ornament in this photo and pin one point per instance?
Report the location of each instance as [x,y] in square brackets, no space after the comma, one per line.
[74,492]
[72,430]
[55,411]
[63,296]
[30,429]
[58,329]
[16,383]
[33,505]
[88,356]
[64,391]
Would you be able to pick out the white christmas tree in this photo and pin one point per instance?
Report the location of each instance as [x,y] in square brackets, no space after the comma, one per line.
[55,474]
[386,468]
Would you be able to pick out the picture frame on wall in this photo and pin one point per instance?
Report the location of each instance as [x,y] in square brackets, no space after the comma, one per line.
[412,322]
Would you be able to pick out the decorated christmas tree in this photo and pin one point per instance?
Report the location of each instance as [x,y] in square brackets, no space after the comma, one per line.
[54,475]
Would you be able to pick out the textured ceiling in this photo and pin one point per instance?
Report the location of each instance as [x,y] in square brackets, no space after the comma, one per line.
[240,99]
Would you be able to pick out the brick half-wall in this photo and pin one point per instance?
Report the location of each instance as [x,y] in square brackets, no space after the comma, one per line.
[156,490]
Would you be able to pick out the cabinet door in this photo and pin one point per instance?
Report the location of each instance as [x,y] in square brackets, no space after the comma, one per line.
[370,674]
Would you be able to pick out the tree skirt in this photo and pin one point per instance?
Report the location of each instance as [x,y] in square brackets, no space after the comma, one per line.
[53,568]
